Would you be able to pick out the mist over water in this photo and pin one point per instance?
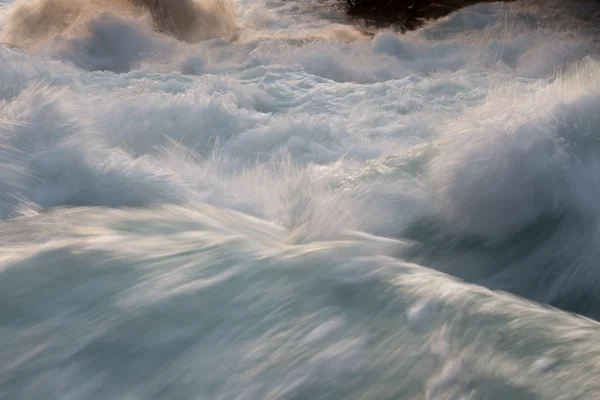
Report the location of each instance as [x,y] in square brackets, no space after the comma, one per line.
[35,23]
[259,200]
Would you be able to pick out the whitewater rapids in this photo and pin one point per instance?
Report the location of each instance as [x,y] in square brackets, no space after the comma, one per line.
[263,201]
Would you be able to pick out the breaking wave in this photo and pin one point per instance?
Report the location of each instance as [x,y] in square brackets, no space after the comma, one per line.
[33,23]
[256,201]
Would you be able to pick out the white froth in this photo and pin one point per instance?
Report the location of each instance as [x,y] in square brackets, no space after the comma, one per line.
[360,110]
[221,219]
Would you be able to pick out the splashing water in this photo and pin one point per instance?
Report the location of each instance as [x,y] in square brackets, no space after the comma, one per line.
[33,23]
[207,200]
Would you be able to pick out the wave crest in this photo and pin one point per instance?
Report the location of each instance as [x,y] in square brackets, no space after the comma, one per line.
[33,23]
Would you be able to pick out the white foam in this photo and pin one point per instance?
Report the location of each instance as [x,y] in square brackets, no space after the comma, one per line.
[520,156]
[319,135]
[310,142]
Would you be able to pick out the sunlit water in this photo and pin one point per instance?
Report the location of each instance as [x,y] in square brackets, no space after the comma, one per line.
[294,209]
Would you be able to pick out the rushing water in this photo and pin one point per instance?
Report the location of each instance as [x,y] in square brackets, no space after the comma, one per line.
[281,206]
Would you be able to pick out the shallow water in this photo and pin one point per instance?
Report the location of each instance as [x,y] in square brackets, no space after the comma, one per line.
[284,207]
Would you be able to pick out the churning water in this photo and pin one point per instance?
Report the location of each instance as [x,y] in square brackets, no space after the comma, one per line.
[260,201]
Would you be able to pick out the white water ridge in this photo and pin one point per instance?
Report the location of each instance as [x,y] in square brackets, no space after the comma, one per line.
[259,200]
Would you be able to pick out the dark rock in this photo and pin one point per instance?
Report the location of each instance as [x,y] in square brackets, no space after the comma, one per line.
[402,14]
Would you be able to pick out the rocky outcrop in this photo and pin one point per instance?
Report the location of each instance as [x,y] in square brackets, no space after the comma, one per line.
[402,14]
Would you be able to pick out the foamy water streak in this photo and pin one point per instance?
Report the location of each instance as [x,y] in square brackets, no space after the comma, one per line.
[284,209]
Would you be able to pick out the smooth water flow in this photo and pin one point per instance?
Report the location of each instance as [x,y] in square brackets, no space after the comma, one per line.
[260,200]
